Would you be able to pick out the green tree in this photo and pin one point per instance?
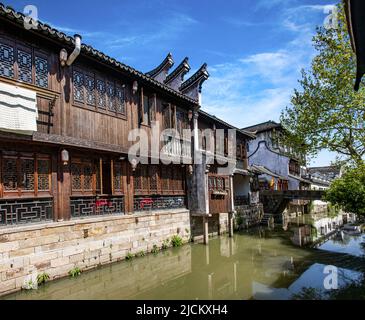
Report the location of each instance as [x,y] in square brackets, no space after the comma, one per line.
[326,112]
[349,191]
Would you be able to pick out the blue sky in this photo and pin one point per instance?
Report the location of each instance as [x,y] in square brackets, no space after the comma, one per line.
[254,49]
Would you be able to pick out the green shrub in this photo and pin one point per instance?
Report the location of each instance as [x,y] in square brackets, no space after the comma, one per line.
[75,272]
[165,244]
[140,254]
[129,256]
[154,249]
[42,278]
[176,241]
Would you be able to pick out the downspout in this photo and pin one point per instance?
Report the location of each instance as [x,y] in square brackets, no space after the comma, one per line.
[76,51]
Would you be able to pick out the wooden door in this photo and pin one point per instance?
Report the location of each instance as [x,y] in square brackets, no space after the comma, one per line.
[219,194]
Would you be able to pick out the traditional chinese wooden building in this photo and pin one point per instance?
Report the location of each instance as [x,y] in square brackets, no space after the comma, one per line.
[69,194]
[75,162]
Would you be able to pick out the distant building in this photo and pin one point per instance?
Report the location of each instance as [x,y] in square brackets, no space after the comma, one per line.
[278,165]
[321,179]
[323,176]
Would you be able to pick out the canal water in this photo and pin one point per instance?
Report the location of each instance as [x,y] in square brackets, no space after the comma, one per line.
[255,264]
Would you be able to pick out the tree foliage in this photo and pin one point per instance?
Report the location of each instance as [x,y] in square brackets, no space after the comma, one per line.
[326,113]
[349,191]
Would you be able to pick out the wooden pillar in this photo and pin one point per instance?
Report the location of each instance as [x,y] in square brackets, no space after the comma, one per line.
[230,224]
[231,214]
[206,230]
[54,183]
[231,192]
[128,188]
[64,187]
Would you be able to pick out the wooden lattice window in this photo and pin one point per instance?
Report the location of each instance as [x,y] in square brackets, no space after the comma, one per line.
[10,173]
[101,91]
[178,180]
[216,183]
[25,174]
[18,62]
[76,169]
[6,60]
[138,180]
[78,80]
[120,99]
[41,71]
[82,176]
[90,90]
[163,179]
[118,177]
[111,96]
[88,176]
[24,66]
[154,179]
[142,180]
[44,170]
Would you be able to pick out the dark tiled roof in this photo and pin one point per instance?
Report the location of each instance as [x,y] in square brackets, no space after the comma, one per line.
[167,61]
[264,170]
[183,66]
[214,118]
[325,170]
[262,127]
[201,73]
[11,15]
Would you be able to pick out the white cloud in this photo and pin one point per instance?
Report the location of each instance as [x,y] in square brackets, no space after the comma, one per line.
[268,4]
[255,88]
[166,29]
[71,31]
[258,87]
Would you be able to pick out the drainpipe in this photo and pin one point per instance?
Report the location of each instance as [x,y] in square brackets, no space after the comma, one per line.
[76,51]
[70,60]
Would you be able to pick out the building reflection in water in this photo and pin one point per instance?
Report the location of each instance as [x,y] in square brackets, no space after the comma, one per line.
[257,264]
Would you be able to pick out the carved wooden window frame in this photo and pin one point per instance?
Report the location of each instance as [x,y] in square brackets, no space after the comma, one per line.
[118,165]
[19,191]
[99,77]
[17,46]
[83,163]
[170,180]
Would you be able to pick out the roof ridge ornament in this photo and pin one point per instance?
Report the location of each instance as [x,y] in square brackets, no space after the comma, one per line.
[192,87]
[176,77]
[161,71]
